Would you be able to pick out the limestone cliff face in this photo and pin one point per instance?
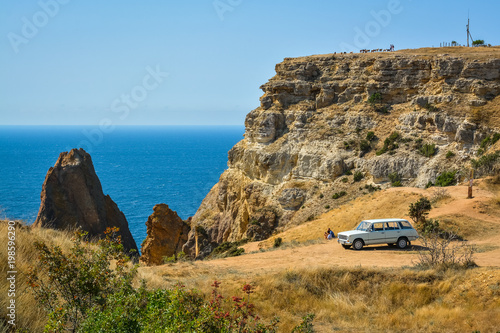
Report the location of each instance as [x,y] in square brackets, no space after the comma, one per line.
[310,134]
[167,232]
[72,198]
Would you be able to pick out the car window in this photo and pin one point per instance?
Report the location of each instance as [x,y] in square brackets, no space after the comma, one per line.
[363,226]
[405,225]
[391,226]
[378,226]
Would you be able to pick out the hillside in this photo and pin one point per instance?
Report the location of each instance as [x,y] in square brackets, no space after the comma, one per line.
[286,277]
[310,275]
[344,123]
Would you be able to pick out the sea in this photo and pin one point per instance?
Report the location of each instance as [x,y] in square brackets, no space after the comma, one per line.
[138,166]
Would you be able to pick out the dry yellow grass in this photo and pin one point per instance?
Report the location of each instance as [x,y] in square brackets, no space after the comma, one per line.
[28,314]
[360,299]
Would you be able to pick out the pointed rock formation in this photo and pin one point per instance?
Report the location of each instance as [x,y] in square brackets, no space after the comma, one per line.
[167,232]
[72,198]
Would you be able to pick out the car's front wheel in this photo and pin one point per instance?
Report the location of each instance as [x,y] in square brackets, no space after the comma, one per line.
[402,243]
[346,246]
[358,244]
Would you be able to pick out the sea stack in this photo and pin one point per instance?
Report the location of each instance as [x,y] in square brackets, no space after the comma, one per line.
[167,232]
[72,198]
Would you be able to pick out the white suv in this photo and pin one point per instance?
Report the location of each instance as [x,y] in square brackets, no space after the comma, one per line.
[380,231]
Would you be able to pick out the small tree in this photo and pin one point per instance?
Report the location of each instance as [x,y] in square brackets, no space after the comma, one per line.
[478,42]
[375,99]
[418,210]
[445,251]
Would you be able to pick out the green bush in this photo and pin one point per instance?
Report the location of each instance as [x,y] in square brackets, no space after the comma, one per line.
[81,293]
[447,178]
[428,150]
[327,207]
[495,138]
[375,98]
[372,188]
[358,175]
[339,195]
[419,209]
[177,310]
[390,143]
[278,241]
[365,146]
[348,173]
[485,142]
[395,179]
[450,154]
[486,162]
[69,285]
[345,180]
[227,249]
[370,136]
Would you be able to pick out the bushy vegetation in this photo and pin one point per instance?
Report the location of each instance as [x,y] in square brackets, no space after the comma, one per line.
[444,250]
[395,179]
[419,210]
[375,99]
[277,242]
[69,285]
[486,163]
[339,194]
[365,146]
[177,310]
[228,249]
[371,188]
[81,292]
[446,178]
[428,150]
[450,154]
[370,136]
[390,143]
[358,175]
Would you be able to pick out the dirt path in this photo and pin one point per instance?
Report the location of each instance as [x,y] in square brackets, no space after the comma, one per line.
[480,212]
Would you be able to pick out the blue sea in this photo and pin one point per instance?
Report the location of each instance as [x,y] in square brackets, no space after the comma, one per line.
[138,167]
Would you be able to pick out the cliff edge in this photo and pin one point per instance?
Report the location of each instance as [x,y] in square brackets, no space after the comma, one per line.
[335,126]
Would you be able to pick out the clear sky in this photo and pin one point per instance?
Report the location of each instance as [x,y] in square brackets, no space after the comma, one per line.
[197,62]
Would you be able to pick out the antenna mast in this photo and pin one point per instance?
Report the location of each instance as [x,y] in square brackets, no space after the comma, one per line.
[469,36]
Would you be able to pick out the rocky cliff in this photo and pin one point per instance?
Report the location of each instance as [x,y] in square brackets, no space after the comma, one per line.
[167,232]
[72,198]
[333,127]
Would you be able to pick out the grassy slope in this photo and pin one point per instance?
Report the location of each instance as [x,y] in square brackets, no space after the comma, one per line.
[351,297]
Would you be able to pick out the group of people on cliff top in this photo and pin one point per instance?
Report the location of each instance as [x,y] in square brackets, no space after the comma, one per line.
[329,234]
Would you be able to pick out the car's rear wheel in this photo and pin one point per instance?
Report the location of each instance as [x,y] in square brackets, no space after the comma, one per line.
[402,243]
[346,246]
[358,244]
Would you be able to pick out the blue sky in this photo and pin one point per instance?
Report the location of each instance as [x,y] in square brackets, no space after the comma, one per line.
[199,62]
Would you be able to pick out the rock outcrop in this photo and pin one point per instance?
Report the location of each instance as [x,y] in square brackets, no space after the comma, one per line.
[72,198]
[167,232]
[315,128]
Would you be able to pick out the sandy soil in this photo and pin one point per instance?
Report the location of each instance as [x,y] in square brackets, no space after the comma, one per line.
[482,211]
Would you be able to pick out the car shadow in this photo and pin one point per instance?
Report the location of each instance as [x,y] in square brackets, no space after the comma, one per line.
[390,248]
